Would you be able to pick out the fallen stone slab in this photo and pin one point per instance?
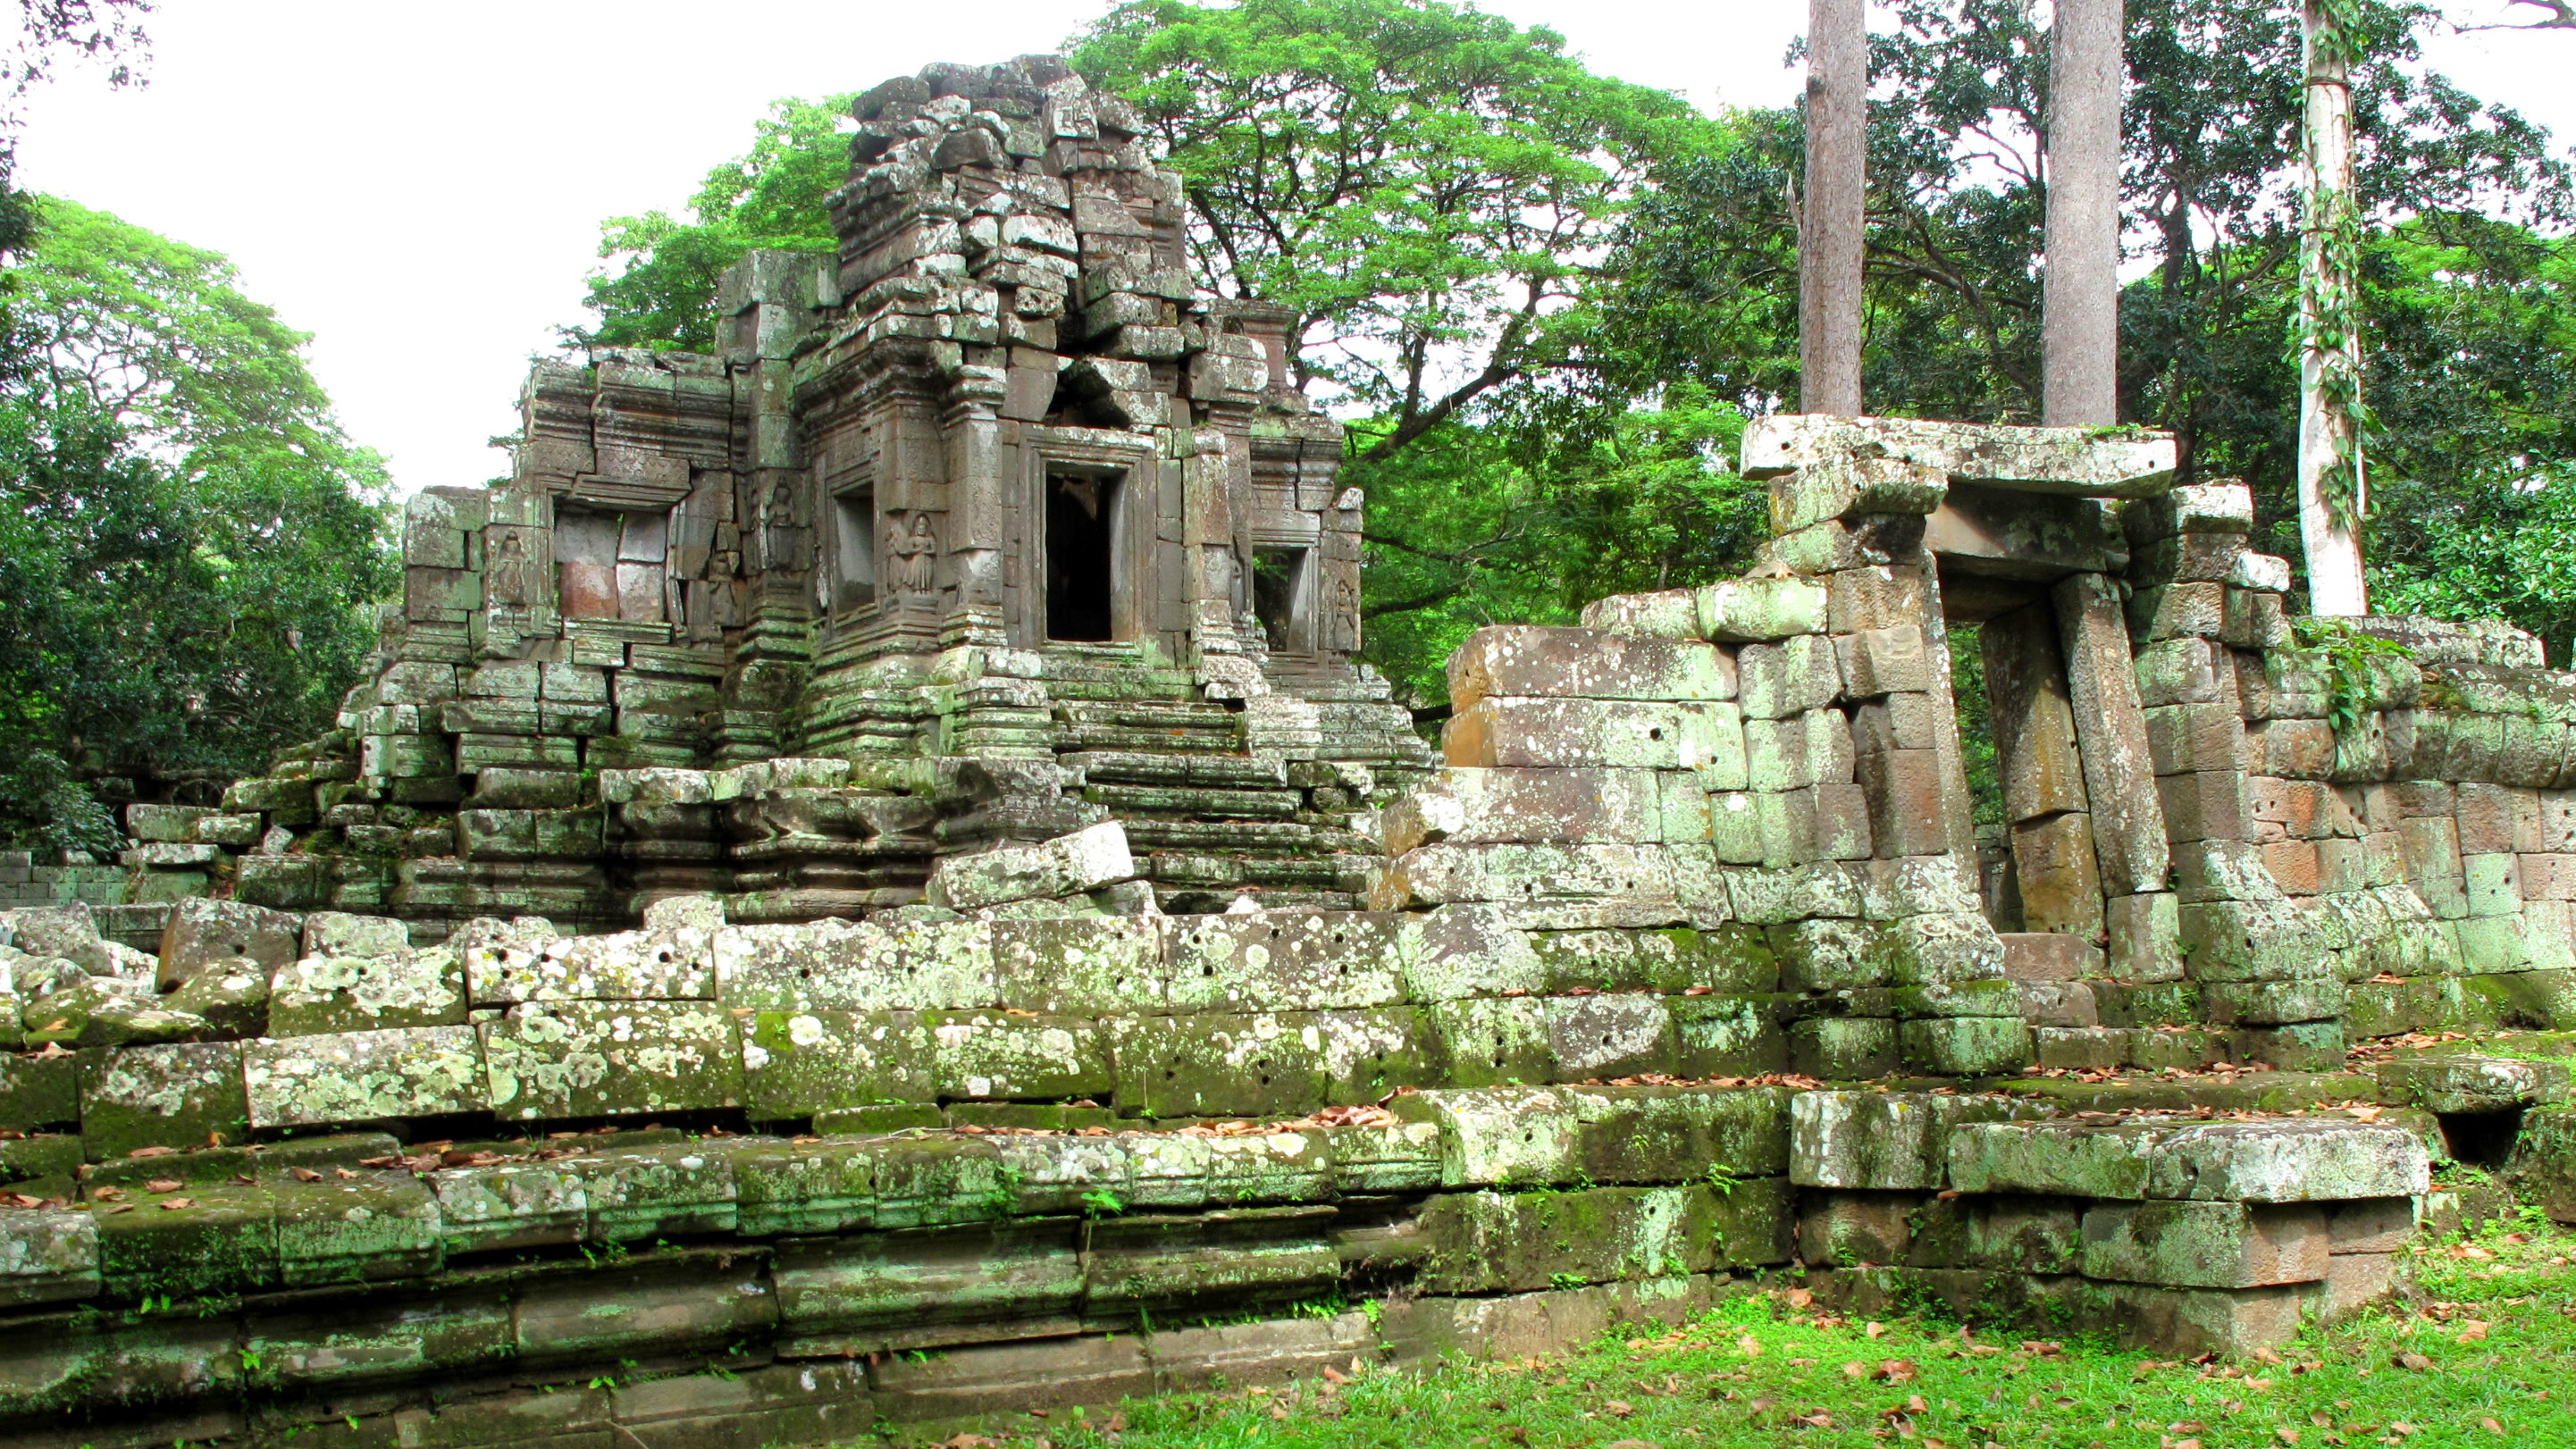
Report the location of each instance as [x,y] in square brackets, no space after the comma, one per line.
[365,1076]
[1067,865]
[2470,1082]
[2206,1244]
[2276,1160]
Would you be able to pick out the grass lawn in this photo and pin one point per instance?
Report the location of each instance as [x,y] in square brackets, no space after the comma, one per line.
[2481,1352]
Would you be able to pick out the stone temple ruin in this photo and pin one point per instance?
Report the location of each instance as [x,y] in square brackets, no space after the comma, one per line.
[868,889]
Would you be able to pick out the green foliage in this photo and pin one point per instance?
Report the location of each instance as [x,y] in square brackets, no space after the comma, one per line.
[1419,182]
[1472,525]
[2346,654]
[663,294]
[1707,275]
[188,545]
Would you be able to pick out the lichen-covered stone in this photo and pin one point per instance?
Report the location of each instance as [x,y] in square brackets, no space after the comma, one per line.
[508,1206]
[671,964]
[1497,1241]
[1500,1136]
[802,1187]
[1597,1038]
[356,1229]
[233,998]
[1283,961]
[1100,966]
[681,1190]
[1247,1064]
[2468,1082]
[2277,1160]
[2205,1244]
[47,1255]
[365,1076]
[994,1054]
[1965,1046]
[1884,1141]
[800,1063]
[318,995]
[102,1011]
[914,965]
[340,933]
[1067,865]
[600,1058]
[495,950]
[872,1290]
[187,1095]
[204,933]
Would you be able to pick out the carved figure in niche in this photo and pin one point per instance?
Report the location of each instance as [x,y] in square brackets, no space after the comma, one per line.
[511,577]
[914,553]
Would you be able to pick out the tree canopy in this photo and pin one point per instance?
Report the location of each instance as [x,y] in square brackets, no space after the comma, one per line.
[188,544]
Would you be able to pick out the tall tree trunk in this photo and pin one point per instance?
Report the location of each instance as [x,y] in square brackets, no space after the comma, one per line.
[1830,219]
[2080,331]
[2331,500]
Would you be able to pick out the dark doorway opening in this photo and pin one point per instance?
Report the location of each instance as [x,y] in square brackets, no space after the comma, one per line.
[1081,555]
[1279,596]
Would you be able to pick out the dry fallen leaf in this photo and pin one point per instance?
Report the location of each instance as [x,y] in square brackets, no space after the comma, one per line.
[303,1174]
[2415,1361]
[141,1152]
[2491,1426]
[1618,1408]
[2288,1436]
[163,1184]
[1874,1329]
[175,1203]
[2472,1331]
[1751,1346]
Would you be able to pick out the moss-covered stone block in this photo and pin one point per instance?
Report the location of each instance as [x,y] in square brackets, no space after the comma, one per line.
[801,1063]
[183,1095]
[233,998]
[1491,1042]
[199,1242]
[1660,1134]
[1524,1241]
[1269,1167]
[329,1346]
[365,1076]
[904,966]
[674,963]
[1599,1038]
[932,1181]
[2543,1165]
[1751,1222]
[604,1058]
[382,1225]
[1367,1054]
[322,995]
[2000,1233]
[1371,1160]
[1283,961]
[1166,1265]
[1729,1036]
[2471,1082]
[39,1091]
[2539,1000]
[1965,1046]
[1250,1064]
[2205,1244]
[999,1055]
[2269,1160]
[509,1206]
[668,1305]
[48,1255]
[1087,966]
[804,1186]
[659,1192]
[1882,1141]
[45,1156]
[1843,1048]
[867,1293]
[1499,1136]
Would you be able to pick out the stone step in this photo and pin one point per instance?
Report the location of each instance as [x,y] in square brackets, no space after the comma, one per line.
[1140,768]
[1231,836]
[1129,800]
[1126,739]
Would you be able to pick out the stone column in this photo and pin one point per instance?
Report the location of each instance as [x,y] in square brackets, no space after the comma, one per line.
[2042,773]
[2119,775]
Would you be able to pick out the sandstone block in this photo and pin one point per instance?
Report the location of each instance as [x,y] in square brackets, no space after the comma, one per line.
[186,1095]
[365,1076]
[322,995]
[1880,1141]
[1512,731]
[204,932]
[1973,1046]
[593,1059]
[2205,1244]
[1538,662]
[1068,865]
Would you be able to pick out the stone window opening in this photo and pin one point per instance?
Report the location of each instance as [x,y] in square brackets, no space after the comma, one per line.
[1282,598]
[1084,534]
[854,549]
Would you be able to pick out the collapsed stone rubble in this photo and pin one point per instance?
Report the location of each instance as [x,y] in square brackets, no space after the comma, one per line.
[877,840]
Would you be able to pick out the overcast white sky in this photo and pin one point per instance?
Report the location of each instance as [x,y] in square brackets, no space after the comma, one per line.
[420,186]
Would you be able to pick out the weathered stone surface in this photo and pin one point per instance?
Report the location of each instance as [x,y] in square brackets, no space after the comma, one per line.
[2471,1083]
[186,1095]
[1100,966]
[338,1230]
[1067,865]
[365,1076]
[673,963]
[2205,1244]
[405,988]
[2280,1160]
[1478,806]
[1530,660]
[2006,1234]
[590,1059]
[911,965]
[47,1255]
[1284,961]
[1881,1141]
[205,932]
[2040,460]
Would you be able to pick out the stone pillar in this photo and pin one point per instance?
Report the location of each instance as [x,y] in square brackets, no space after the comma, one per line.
[2111,730]
[978,508]
[2042,773]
